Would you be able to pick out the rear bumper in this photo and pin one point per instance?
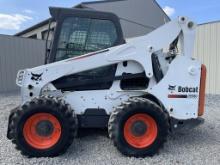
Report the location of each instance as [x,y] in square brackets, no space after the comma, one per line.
[184,125]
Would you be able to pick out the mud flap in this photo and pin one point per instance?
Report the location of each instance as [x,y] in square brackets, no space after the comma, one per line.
[9,135]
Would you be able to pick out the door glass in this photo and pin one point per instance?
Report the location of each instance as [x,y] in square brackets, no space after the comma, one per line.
[83,35]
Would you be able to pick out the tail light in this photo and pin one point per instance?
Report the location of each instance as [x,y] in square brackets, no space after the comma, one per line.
[202,91]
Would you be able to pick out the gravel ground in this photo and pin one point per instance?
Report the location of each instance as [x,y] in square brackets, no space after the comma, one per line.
[198,146]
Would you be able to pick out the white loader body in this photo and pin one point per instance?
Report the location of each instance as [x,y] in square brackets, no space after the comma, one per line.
[178,91]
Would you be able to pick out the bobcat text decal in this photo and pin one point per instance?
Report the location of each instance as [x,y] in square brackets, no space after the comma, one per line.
[185,92]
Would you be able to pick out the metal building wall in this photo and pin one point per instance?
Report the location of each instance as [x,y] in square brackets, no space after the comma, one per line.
[207,50]
[18,53]
[137,17]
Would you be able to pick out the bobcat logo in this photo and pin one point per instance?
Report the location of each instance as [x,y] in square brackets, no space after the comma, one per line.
[36,77]
[172,88]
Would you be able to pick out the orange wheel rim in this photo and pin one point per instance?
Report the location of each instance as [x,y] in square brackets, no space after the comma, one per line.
[140,131]
[42,130]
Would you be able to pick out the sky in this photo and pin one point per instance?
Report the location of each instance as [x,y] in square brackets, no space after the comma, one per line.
[17,15]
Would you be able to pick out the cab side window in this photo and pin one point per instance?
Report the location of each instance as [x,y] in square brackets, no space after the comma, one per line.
[83,35]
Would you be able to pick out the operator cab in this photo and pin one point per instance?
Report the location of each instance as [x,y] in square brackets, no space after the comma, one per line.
[81,31]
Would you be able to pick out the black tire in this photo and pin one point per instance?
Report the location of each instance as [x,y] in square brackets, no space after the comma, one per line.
[52,106]
[128,109]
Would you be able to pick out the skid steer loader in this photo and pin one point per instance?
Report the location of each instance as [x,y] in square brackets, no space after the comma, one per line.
[94,78]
